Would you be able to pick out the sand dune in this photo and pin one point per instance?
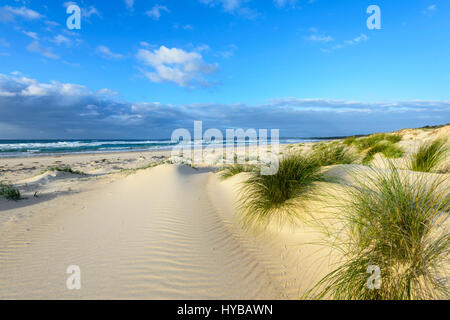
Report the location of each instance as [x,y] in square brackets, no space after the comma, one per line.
[152,235]
[169,232]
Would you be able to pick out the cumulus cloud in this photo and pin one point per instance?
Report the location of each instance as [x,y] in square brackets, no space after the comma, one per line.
[8,13]
[32,109]
[106,53]
[156,11]
[175,65]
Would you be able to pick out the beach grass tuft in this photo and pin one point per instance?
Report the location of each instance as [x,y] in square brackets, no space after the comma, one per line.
[234,169]
[66,169]
[135,170]
[9,192]
[331,153]
[388,149]
[396,222]
[267,197]
[429,156]
[377,143]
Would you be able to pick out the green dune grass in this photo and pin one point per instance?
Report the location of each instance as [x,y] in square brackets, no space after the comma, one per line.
[66,169]
[332,153]
[394,221]
[377,143]
[234,169]
[277,197]
[429,156]
[7,191]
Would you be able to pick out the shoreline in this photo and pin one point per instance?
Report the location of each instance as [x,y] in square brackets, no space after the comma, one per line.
[4,155]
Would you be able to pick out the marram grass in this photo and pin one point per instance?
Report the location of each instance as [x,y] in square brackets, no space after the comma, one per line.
[429,156]
[234,169]
[332,153]
[65,169]
[388,149]
[278,197]
[9,192]
[396,221]
[377,143]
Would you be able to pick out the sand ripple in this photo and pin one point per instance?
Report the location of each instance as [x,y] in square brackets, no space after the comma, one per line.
[152,235]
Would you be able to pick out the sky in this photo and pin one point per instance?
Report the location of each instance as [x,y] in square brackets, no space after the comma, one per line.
[143,68]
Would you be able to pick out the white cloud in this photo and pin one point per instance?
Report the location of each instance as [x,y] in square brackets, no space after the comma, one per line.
[105,52]
[359,39]
[228,5]
[354,41]
[85,12]
[175,65]
[91,11]
[46,52]
[145,44]
[8,13]
[156,11]
[31,34]
[320,38]
[47,110]
[51,23]
[233,6]
[31,87]
[60,39]
[107,92]
[429,10]
[227,53]
[283,3]
[184,27]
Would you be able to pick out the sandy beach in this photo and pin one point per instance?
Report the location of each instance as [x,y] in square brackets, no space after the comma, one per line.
[164,232]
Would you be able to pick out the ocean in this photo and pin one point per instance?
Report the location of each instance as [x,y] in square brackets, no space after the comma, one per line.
[30,148]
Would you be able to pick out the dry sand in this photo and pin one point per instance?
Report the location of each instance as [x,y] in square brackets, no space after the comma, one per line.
[169,232]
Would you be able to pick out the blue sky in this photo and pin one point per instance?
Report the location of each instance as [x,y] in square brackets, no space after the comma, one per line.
[140,69]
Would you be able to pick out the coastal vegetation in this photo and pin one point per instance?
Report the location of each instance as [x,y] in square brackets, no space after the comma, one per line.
[8,192]
[395,222]
[135,170]
[229,171]
[66,169]
[377,143]
[264,198]
[331,153]
[430,156]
